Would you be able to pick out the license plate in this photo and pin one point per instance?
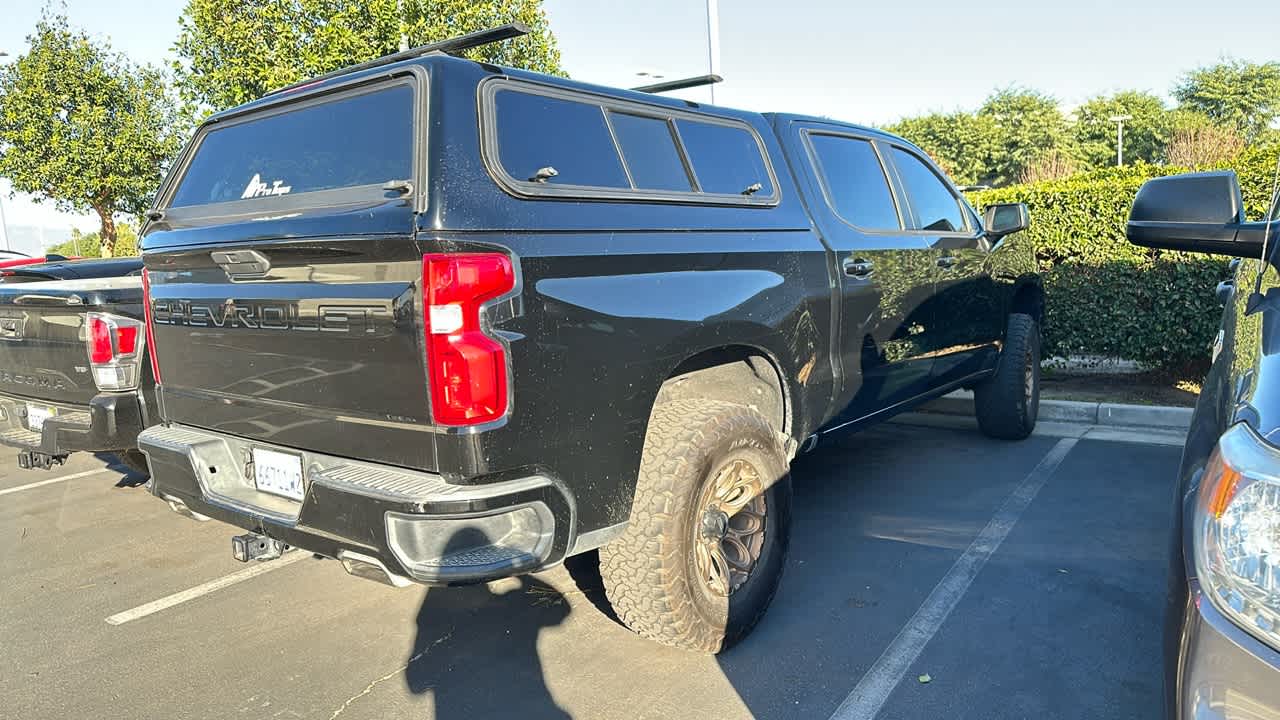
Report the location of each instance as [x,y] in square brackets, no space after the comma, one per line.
[277,473]
[37,414]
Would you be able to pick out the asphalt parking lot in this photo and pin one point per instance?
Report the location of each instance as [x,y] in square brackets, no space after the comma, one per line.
[1025,580]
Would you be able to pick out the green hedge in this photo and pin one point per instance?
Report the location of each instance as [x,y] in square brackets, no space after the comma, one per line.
[1107,297]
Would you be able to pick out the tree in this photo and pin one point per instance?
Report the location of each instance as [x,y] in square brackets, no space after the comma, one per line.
[1051,165]
[234,51]
[1242,96]
[90,244]
[961,143]
[82,127]
[1197,143]
[1146,133]
[1028,125]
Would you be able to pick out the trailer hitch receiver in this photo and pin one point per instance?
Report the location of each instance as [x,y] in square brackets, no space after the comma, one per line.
[252,546]
[32,460]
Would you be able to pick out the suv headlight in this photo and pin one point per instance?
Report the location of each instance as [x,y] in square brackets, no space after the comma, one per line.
[1237,532]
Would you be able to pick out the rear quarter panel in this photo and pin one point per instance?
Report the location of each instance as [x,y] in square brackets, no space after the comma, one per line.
[614,297]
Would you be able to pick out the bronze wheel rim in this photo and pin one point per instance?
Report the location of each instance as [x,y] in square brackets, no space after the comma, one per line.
[730,528]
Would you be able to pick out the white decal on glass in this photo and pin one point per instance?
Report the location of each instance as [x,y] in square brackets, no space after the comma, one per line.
[257,188]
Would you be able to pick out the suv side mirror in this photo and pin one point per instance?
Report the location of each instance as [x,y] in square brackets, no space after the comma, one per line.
[1195,212]
[1006,219]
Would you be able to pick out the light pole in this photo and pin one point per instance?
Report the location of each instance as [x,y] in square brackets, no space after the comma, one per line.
[404,36]
[1119,120]
[4,227]
[713,42]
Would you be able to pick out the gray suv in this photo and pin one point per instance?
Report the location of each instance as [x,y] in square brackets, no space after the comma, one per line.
[1222,633]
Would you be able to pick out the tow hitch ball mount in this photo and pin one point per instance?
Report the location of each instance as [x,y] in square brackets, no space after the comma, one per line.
[252,546]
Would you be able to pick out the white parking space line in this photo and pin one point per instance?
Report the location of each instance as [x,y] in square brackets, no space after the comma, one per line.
[874,688]
[50,481]
[178,598]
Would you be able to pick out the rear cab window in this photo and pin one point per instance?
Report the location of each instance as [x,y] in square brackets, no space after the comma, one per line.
[545,141]
[332,149]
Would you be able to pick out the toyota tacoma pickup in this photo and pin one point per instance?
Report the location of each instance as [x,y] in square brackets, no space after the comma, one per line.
[446,322]
[72,373]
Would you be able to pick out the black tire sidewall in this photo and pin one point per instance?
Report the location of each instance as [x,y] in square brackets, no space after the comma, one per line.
[1032,409]
[1001,402]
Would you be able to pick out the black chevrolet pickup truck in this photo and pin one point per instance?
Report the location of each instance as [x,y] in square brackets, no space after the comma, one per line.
[72,373]
[446,322]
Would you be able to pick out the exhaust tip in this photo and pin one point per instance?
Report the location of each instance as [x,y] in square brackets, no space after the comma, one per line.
[180,507]
[370,568]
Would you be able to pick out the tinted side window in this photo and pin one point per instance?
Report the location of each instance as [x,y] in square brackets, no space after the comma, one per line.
[856,182]
[936,208]
[725,159]
[357,140]
[536,132]
[650,152]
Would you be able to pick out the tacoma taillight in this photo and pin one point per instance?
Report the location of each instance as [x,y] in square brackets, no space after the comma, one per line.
[151,336]
[115,347]
[467,367]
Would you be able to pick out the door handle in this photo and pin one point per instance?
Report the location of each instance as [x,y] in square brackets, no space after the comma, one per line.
[857,267]
[947,262]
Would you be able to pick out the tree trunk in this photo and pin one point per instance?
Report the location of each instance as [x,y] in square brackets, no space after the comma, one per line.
[107,231]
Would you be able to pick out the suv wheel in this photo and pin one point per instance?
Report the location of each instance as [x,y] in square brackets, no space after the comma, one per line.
[702,556]
[1007,403]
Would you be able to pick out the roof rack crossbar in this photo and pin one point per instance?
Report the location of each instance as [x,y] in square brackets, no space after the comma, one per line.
[452,45]
[669,85]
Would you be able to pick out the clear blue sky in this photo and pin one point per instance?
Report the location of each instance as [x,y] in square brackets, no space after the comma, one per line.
[864,62]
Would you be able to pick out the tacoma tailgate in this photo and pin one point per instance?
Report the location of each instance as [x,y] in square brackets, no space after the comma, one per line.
[42,334]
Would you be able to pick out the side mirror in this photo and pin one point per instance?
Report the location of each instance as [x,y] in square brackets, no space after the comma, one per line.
[1006,219]
[1195,212]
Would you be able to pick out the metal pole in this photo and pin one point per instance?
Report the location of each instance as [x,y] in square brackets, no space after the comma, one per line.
[713,42]
[1119,121]
[4,227]
[400,23]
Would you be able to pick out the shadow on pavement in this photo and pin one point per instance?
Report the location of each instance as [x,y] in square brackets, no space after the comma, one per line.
[476,649]
[128,477]
[584,569]
[879,519]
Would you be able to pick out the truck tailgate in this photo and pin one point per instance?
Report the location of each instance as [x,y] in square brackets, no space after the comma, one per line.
[322,352]
[42,334]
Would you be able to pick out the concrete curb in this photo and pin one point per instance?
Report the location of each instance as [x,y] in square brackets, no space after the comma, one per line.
[960,402]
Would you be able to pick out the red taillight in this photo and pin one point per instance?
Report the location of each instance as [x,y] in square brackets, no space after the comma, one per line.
[146,314]
[100,350]
[115,347]
[467,368]
[127,340]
